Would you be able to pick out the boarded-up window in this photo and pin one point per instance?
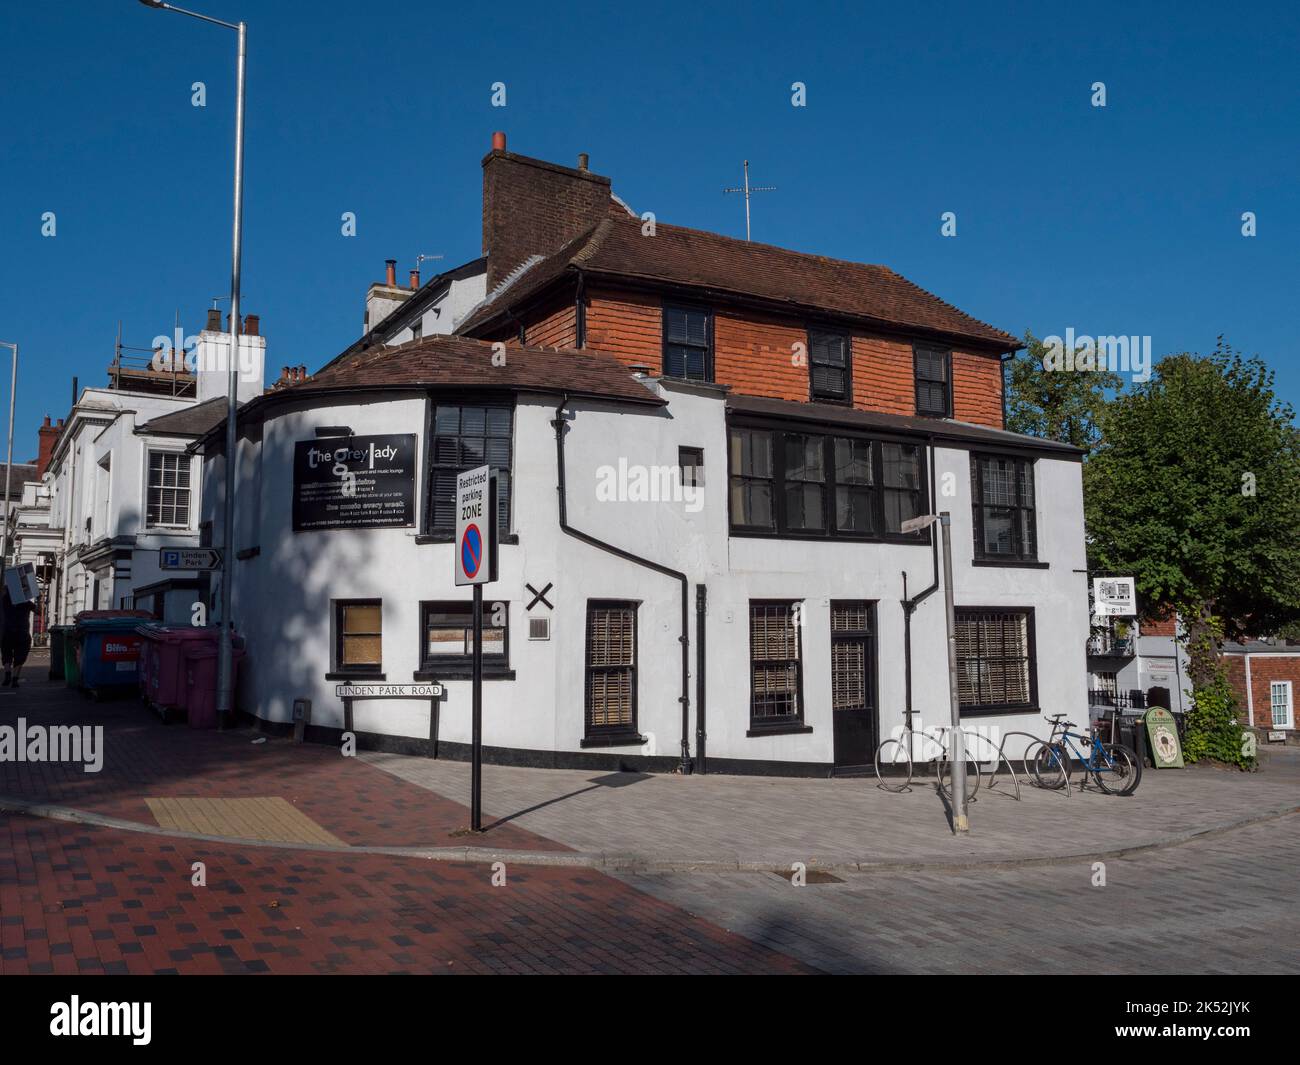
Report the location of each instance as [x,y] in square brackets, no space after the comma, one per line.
[611,667]
[359,625]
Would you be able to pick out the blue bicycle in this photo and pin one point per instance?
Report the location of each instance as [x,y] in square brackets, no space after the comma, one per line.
[1116,769]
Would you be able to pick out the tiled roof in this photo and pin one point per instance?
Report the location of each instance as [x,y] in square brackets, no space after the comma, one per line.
[458,362]
[710,261]
[190,421]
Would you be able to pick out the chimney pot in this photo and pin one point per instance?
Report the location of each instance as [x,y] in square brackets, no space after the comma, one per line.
[390,272]
[214,320]
[498,141]
[252,323]
[46,423]
[583,160]
[415,280]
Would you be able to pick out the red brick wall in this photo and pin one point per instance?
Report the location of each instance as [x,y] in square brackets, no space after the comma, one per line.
[531,207]
[1264,669]
[1162,627]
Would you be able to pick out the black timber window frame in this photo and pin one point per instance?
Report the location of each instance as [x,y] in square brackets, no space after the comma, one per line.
[988,645]
[342,633]
[867,484]
[690,465]
[687,339]
[932,368]
[599,669]
[830,365]
[776,667]
[457,615]
[1002,489]
[456,443]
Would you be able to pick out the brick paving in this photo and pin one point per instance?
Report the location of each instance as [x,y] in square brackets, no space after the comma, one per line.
[144,759]
[1223,905]
[776,820]
[80,900]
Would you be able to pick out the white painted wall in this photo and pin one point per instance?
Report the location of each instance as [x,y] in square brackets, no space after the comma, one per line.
[283,595]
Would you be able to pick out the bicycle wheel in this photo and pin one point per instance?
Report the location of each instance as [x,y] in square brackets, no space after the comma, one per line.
[893,766]
[1051,767]
[944,771]
[1120,773]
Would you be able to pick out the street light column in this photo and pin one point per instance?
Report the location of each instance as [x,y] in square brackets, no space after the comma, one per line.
[225,659]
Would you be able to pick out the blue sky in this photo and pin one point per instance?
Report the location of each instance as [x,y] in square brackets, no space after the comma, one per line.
[1122,220]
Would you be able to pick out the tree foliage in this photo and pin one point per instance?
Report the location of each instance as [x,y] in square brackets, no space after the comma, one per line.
[1195,491]
[1055,405]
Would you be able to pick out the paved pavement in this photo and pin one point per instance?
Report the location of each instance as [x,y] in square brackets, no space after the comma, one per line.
[149,766]
[1224,905]
[774,821]
[80,898]
[92,900]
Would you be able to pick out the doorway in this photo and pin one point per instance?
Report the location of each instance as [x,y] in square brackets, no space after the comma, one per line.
[853,682]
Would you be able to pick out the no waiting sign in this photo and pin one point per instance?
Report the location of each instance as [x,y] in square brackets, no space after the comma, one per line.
[476,526]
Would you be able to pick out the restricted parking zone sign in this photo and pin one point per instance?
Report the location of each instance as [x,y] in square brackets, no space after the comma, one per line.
[476,532]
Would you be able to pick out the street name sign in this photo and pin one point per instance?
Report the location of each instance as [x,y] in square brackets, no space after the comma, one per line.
[388,691]
[204,558]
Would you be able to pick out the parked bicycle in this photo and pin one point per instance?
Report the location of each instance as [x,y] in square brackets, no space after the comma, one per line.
[1115,768]
[895,767]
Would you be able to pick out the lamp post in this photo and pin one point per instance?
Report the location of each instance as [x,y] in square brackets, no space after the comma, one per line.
[957,756]
[225,660]
[9,460]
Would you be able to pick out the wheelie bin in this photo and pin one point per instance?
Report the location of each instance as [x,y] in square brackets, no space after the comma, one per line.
[200,669]
[59,639]
[108,653]
[163,680]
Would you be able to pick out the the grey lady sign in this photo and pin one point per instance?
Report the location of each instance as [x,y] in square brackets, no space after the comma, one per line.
[356,482]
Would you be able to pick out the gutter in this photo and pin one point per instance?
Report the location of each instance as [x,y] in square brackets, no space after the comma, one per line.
[910,604]
[684,766]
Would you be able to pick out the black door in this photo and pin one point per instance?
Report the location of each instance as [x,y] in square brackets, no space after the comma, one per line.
[853,681]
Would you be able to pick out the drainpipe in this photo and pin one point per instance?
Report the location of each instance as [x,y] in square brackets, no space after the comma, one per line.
[580,313]
[684,766]
[701,608]
[910,605]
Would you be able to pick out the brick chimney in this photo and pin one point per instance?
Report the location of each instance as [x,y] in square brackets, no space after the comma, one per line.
[48,436]
[531,207]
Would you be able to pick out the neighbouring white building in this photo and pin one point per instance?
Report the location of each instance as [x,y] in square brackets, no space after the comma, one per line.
[120,484]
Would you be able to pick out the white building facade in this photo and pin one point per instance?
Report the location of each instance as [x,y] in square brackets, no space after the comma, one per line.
[643,616]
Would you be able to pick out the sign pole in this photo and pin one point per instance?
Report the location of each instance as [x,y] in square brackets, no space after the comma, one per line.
[476,757]
[476,565]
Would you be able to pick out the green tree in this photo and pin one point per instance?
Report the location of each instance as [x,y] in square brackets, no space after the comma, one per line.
[1195,490]
[1053,404]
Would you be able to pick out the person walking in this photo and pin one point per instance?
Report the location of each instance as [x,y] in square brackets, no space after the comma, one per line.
[15,636]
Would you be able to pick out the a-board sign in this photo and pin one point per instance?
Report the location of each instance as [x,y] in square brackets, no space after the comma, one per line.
[388,691]
[355,482]
[202,558]
[476,526]
[1162,738]
[1114,597]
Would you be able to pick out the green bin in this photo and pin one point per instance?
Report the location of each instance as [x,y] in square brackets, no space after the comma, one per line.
[58,644]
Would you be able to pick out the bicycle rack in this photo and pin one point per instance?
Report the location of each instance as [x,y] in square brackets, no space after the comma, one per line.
[999,758]
[1024,760]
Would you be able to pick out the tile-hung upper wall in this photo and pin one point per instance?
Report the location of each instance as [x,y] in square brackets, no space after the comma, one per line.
[755,353]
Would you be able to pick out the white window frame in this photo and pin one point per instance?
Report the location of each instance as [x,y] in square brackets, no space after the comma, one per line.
[1289,703]
[149,451]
